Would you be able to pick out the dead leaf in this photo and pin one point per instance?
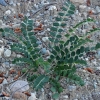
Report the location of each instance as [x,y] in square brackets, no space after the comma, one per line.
[38,29]
[5,94]
[90,12]
[16,77]
[93,27]
[88,3]
[91,58]
[20,15]
[89,36]
[1,80]
[12,71]
[14,16]
[40,26]
[89,70]
[19,73]
[1,74]
[27,93]
[17,30]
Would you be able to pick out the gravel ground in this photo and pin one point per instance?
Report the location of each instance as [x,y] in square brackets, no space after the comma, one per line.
[9,18]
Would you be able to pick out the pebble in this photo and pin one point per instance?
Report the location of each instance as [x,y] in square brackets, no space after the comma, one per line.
[43,51]
[7,53]
[1,51]
[41,33]
[82,7]
[39,42]
[65,97]
[1,22]
[71,88]
[45,39]
[97,9]
[32,97]
[8,12]
[48,29]
[78,1]
[1,41]
[4,81]
[18,84]
[19,56]
[98,54]
[6,64]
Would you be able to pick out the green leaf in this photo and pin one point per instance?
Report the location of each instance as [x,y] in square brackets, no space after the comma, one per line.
[73,53]
[55,96]
[61,14]
[60,30]
[63,24]
[1,30]
[53,29]
[54,52]
[51,39]
[53,34]
[81,62]
[66,50]
[58,36]
[64,8]
[40,61]
[70,12]
[57,48]
[40,81]
[62,53]
[78,51]
[82,49]
[97,46]
[55,24]
[23,25]
[58,19]
[53,89]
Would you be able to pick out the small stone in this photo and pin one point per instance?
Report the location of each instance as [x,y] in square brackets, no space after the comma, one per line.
[48,29]
[82,7]
[40,33]
[78,1]
[1,22]
[43,51]
[39,42]
[4,81]
[72,88]
[28,14]
[45,39]
[1,51]
[37,23]
[32,97]
[1,41]
[65,97]
[97,9]
[7,53]
[8,12]
[6,65]
[18,84]
[36,6]
[77,12]
[98,54]
[19,56]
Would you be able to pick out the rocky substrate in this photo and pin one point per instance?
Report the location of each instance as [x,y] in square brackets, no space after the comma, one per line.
[12,15]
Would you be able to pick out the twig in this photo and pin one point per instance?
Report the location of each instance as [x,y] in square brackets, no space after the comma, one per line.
[18,78]
[45,7]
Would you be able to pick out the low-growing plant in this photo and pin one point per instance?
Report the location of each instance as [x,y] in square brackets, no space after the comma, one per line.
[66,51]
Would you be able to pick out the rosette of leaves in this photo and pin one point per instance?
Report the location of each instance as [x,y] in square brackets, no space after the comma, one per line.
[67,53]
[25,45]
